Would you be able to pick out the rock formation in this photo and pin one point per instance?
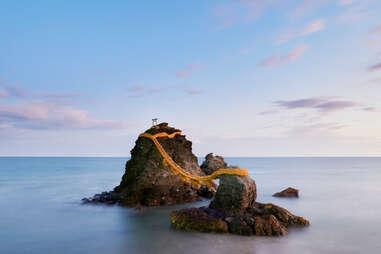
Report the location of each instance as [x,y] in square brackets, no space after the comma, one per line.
[235,194]
[234,210]
[148,181]
[212,163]
[287,193]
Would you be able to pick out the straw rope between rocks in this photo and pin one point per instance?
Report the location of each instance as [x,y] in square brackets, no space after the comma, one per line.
[185,176]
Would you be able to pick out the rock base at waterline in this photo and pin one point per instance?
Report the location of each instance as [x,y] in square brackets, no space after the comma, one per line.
[260,220]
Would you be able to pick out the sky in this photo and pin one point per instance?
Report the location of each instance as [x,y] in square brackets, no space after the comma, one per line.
[238,77]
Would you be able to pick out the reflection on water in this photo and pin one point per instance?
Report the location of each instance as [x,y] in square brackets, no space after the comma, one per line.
[41,213]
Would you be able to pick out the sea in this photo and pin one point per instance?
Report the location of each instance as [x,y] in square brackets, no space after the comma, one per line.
[41,210]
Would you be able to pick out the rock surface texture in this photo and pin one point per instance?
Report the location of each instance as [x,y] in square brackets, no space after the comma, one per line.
[234,210]
[235,194]
[287,193]
[212,163]
[147,181]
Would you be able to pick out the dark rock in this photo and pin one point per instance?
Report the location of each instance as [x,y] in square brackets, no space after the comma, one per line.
[212,163]
[239,226]
[194,219]
[148,181]
[272,220]
[234,194]
[288,193]
[234,204]
[105,197]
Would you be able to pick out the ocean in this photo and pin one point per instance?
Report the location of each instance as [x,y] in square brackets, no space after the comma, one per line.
[41,210]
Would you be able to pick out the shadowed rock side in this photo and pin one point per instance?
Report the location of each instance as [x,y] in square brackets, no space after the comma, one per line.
[147,181]
[287,193]
[234,210]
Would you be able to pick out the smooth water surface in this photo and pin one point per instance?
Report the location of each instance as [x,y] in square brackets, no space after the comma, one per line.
[41,210]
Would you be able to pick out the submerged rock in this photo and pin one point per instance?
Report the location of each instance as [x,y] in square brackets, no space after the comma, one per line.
[287,193]
[234,205]
[149,182]
[212,163]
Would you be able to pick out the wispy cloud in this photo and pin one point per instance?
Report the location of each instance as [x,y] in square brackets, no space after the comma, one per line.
[313,27]
[136,88]
[376,30]
[59,95]
[324,104]
[46,115]
[194,92]
[3,93]
[268,112]
[294,54]
[189,69]
[291,56]
[376,67]
[370,109]
[240,11]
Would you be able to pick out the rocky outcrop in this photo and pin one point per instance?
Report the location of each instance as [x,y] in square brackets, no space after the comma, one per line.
[260,220]
[148,181]
[287,193]
[235,205]
[212,163]
[235,194]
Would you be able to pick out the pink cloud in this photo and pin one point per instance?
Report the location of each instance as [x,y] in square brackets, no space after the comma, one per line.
[240,11]
[270,61]
[45,115]
[310,28]
[313,27]
[377,29]
[3,93]
[189,69]
[183,74]
[294,54]
[291,56]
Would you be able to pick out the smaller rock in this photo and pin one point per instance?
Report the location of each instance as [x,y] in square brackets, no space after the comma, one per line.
[212,163]
[105,197]
[234,194]
[287,193]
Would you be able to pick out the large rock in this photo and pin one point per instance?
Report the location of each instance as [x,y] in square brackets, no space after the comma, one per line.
[212,163]
[148,181]
[234,194]
[234,205]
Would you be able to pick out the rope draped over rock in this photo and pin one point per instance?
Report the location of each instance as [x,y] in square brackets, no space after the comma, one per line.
[195,180]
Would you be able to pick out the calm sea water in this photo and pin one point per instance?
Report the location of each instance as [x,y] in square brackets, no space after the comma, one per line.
[41,211]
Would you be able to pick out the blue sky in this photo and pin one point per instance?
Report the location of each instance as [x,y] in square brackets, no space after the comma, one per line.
[239,77]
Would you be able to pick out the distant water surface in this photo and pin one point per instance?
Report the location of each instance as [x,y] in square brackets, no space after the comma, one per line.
[41,213]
